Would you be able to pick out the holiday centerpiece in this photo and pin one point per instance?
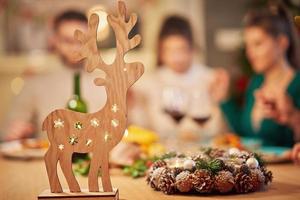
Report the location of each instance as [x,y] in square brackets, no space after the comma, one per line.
[210,171]
[97,133]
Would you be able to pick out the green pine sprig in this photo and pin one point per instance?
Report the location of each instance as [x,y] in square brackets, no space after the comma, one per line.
[212,166]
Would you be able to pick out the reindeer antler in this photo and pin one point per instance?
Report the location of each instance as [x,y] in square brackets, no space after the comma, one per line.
[122,28]
[89,48]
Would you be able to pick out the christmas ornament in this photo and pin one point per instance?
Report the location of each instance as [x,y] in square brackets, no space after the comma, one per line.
[252,163]
[234,151]
[189,164]
[110,133]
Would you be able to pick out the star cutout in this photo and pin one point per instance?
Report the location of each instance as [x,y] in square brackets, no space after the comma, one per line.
[94,122]
[78,125]
[107,136]
[73,140]
[61,147]
[114,108]
[115,123]
[58,123]
[88,142]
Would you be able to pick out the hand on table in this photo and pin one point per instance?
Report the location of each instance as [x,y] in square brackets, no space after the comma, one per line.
[19,130]
[295,155]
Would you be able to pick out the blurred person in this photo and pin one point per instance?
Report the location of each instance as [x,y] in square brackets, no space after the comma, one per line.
[177,73]
[46,92]
[272,100]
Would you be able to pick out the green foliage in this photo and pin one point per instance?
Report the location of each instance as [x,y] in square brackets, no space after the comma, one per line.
[259,158]
[137,169]
[81,167]
[212,166]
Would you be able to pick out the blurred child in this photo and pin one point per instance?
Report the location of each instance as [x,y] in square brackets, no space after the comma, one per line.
[178,90]
[272,100]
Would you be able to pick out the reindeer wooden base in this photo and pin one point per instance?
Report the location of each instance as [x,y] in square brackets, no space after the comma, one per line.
[84,195]
[99,132]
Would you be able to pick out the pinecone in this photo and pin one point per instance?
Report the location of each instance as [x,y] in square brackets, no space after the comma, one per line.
[243,182]
[257,179]
[244,169]
[166,182]
[200,156]
[184,181]
[177,170]
[268,175]
[216,153]
[230,167]
[244,155]
[154,176]
[159,163]
[203,181]
[224,181]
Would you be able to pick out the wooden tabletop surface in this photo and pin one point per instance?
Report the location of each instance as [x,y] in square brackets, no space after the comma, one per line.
[24,180]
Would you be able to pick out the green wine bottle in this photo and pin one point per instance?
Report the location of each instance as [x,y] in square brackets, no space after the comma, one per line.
[76,103]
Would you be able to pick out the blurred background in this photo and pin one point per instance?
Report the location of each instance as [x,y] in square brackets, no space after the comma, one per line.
[25,35]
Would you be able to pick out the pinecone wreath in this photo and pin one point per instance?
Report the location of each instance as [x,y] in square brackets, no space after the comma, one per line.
[210,171]
[203,181]
[166,182]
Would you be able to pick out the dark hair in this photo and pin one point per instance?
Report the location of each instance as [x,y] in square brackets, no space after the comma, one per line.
[275,20]
[174,25]
[69,16]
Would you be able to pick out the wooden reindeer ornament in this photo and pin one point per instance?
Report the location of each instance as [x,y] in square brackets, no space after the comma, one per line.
[98,132]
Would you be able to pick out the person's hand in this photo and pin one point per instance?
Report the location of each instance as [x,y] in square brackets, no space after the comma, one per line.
[295,155]
[279,107]
[220,86]
[19,130]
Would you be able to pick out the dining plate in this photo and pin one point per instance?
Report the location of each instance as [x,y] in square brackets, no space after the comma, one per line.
[24,149]
[274,154]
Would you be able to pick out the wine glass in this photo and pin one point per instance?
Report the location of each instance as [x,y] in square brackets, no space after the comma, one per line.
[175,102]
[200,106]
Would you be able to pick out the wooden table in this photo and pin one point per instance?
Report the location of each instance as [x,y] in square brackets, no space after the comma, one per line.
[24,180]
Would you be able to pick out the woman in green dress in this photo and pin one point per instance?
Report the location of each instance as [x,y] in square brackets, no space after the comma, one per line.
[272,101]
